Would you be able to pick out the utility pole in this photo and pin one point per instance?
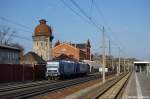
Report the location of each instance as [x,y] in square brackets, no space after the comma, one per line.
[110,60]
[109,48]
[124,63]
[118,69]
[103,46]
[90,61]
[128,65]
[112,63]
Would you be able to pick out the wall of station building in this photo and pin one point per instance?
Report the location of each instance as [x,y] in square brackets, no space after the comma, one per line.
[67,50]
[9,56]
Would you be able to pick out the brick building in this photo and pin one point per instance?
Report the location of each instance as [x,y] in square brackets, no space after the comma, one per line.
[74,51]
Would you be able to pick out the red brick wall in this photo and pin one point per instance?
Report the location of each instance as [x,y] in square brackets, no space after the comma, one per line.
[71,51]
[67,50]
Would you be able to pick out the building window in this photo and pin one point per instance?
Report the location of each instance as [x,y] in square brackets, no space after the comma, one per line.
[41,43]
[16,57]
[8,56]
[71,56]
[13,55]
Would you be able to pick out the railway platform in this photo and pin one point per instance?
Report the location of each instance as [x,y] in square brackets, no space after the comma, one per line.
[138,86]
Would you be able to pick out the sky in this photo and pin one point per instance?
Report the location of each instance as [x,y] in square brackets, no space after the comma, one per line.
[126,23]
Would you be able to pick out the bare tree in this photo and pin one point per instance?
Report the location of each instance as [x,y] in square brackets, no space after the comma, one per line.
[6,35]
[17,45]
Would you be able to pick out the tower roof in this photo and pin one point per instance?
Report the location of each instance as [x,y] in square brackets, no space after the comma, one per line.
[43,29]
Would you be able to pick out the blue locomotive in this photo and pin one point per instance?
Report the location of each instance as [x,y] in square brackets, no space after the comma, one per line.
[64,68]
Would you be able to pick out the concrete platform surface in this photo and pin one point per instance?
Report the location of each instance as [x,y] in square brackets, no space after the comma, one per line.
[138,86]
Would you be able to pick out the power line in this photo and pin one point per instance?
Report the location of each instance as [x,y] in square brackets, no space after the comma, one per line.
[81,10]
[26,29]
[109,28]
[86,15]
[101,14]
[91,9]
[17,36]
[90,21]
[16,28]
[74,11]
[15,23]
[90,18]
[21,37]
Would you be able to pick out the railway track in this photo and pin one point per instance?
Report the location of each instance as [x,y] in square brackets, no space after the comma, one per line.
[14,86]
[24,85]
[113,89]
[30,90]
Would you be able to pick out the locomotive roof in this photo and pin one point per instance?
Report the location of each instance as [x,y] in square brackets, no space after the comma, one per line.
[66,61]
[60,61]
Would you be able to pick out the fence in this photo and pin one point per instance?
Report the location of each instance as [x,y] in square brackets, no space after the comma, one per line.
[20,72]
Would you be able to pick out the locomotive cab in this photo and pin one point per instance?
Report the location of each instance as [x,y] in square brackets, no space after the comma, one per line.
[52,70]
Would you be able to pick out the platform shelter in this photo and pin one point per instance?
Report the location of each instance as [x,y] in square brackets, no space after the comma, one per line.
[142,66]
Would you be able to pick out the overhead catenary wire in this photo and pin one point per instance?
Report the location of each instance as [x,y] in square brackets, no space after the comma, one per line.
[68,6]
[21,37]
[98,26]
[91,19]
[81,10]
[91,8]
[16,28]
[24,28]
[106,23]
[118,44]
[15,23]
[101,29]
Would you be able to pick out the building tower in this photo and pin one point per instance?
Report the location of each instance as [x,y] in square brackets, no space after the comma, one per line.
[42,40]
[88,51]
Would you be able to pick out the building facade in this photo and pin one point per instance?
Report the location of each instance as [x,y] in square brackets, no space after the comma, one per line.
[42,40]
[9,55]
[74,51]
[32,58]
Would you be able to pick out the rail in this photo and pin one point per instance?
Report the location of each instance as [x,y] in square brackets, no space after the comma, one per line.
[26,91]
[113,88]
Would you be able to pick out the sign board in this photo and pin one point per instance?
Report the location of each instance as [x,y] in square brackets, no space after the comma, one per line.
[101,69]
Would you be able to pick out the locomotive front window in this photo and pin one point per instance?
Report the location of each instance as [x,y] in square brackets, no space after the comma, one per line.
[52,66]
[52,70]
